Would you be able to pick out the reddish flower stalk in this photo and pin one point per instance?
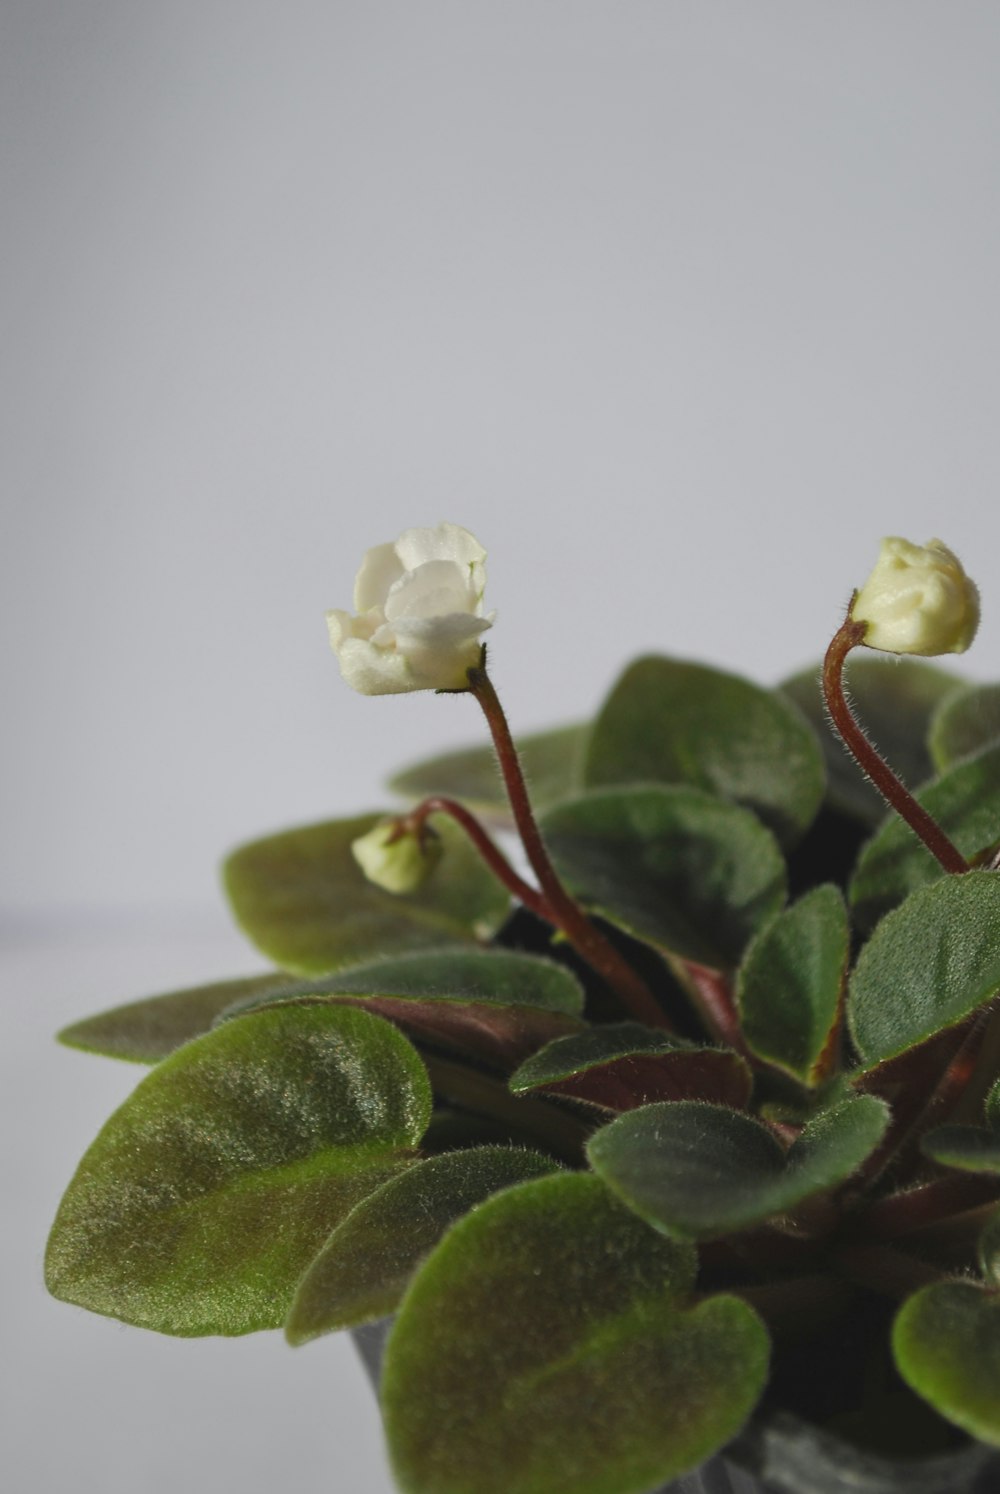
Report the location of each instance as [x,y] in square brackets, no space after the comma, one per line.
[415,822]
[872,764]
[560,908]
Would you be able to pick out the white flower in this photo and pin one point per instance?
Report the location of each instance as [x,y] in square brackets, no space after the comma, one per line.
[917,600]
[396,863]
[419,606]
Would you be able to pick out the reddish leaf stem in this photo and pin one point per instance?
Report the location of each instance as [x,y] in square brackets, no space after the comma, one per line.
[872,764]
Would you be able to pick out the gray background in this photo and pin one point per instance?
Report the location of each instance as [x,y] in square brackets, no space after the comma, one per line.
[678,306]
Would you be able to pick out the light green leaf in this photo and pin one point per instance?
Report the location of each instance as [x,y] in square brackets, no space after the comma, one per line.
[363,1269]
[576,1376]
[146,1031]
[946,1340]
[304,901]
[211,1189]
[667,721]
[790,984]
[701,1171]
[931,962]
[675,866]
[551,761]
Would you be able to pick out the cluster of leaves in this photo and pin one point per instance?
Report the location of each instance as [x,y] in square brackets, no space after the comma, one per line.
[600,1239]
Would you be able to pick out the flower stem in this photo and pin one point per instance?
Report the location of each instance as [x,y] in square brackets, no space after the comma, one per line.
[560,908]
[872,764]
[415,822]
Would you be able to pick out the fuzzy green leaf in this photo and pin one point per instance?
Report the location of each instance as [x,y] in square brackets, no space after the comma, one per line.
[210,1190]
[946,1340]
[965,802]
[931,962]
[964,723]
[675,866]
[894,700]
[700,1171]
[551,761]
[988,1249]
[363,1269]
[304,901]
[575,1376]
[968,1148]
[623,1065]
[146,1031]
[667,721]
[791,982]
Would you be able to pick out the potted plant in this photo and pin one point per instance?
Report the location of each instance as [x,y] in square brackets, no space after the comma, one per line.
[680,1150]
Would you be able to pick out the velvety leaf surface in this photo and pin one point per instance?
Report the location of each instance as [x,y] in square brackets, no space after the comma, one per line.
[989,1249]
[991,1106]
[498,1005]
[207,1194]
[930,962]
[894,699]
[364,1268]
[965,802]
[623,1065]
[675,866]
[587,1370]
[946,1340]
[790,985]
[551,761]
[667,721]
[146,1031]
[964,723]
[304,901]
[969,1148]
[699,1171]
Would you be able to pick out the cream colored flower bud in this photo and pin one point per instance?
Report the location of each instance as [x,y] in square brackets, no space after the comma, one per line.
[419,605]
[917,600]
[401,865]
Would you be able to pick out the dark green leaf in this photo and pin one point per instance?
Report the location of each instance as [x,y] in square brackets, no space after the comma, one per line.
[146,1031]
[932,961]
[623,1065]
[577,1375]
[991,1106]
[965,722]
[989,1249]
[211,1189]
[965,802]
[363,1270]
[675,866]
[894,700]
[968,1148]
[497,1005]
[946,1339]
[699,1171]
[667,721]
[302,898]
[790,984]
[551,761]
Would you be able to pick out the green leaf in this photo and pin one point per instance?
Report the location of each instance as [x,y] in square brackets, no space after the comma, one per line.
[894,700]
[964,723]
[790,985]
[700,1171]
[988,1249]
[623,1065]
[946,1339]
[965,802]
[551,761]
[304,901]
[666,721]
[931,962]
[968,1148]
[991,1106]
[672,865]
[146,1031]
[363,1269]
[586,1370]
[496,1005]
[210,1190]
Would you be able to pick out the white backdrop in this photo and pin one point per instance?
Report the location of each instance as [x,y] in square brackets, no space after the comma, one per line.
[679,305]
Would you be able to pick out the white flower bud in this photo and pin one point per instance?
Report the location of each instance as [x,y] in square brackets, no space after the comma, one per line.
[917,600]
[419,607]
[401,865]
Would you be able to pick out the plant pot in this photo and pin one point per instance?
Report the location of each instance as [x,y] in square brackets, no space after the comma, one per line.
[780,1454]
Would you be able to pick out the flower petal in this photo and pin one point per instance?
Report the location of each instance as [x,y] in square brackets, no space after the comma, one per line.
[435,589]
[379,569]
[375,671]
[444,542]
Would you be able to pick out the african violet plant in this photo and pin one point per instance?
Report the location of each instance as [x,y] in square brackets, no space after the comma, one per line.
[693,1136]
